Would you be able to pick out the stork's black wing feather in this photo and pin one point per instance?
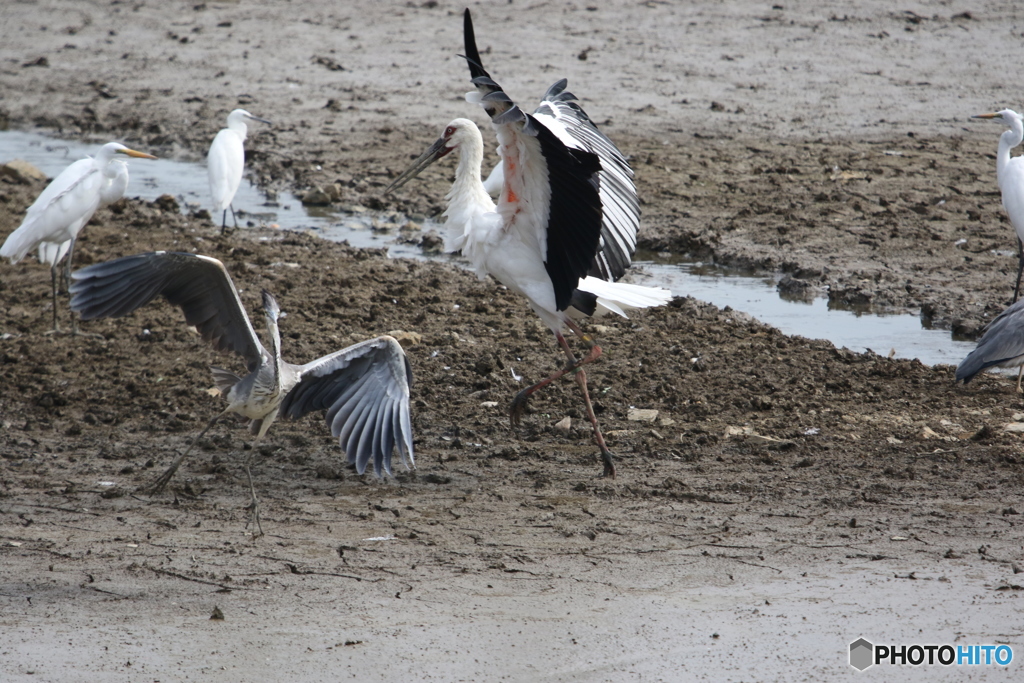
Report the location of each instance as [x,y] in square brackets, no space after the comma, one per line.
[574,214]
[620,206]
[476,65]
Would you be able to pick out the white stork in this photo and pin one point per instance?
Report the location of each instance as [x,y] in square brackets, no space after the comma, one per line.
[565,224]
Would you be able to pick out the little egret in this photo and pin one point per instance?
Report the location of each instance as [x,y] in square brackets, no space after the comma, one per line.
[364,388]
[545,238]
[1001,346]
[225,162]
[1010,175]
[60,212]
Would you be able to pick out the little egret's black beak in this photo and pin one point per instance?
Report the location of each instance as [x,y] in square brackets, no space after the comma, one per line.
[436,151]
[256,118]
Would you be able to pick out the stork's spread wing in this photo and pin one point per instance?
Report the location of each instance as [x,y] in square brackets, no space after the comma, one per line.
[568,204]
[561,114]
[1003,341]
[365,391]
[198,284]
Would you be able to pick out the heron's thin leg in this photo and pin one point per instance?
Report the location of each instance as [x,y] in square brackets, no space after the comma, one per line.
[519,402]
[254,503]
[1020,269]
[223,221]
[161,482]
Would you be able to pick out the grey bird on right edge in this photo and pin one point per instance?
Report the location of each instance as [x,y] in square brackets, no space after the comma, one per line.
[1002,346]
[364,388]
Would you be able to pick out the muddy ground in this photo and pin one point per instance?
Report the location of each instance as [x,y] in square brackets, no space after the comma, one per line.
[785,487]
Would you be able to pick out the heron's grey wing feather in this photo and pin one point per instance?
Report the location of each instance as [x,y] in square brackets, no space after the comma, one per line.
[199,285]
[362,388]
[560,112]
[1003,341]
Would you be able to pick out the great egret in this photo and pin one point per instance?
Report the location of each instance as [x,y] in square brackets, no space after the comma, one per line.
[364,388]
[1010,175]
[225,161]
[1001,346]
[60,212]
[545,234]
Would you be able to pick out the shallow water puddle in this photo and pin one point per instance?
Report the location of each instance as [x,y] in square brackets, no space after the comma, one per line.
[756,295]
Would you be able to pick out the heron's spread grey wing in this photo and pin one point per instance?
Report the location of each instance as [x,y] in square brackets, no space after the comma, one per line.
[1003,341]
[365,390]
[619,203]
[198,284]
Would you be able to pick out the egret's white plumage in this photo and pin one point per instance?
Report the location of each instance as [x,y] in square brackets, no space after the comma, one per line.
[60,212]
[1010,176]
[226,161]
[565,221]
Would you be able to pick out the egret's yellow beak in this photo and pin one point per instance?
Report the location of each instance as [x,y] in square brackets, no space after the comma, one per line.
[137,155]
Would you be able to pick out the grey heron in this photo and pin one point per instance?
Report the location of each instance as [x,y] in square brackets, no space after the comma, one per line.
[564,227]
[60,212]
[364,388]
[225,161]
[1010,176]
[1001,346]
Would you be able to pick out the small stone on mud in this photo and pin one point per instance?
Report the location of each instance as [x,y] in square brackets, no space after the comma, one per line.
[641,415]
[564,425]
[406,339]
[217,614]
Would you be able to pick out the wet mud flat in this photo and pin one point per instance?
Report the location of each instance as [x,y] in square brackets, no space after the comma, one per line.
[784,487]
[774,466]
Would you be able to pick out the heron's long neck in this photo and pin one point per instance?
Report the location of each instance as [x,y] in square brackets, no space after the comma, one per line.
[1007,141]
[240,128]
[275,349]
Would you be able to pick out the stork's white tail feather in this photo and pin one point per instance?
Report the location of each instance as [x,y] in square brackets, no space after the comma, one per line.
[619,297]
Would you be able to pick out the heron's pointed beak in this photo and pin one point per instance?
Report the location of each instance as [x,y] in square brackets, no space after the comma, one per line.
[436,151]
[986,116]
[256,118]
[137,155]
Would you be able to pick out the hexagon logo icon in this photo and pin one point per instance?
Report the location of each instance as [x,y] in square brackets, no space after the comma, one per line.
[862,654]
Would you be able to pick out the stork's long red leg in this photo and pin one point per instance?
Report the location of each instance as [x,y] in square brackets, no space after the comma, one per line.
[519,402]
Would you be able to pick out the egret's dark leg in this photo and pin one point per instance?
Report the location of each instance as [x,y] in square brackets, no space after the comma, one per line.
[161,482]
[53,282]
[223,221]
[67,285]
[67,266]
[233,219]
[1020,268]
